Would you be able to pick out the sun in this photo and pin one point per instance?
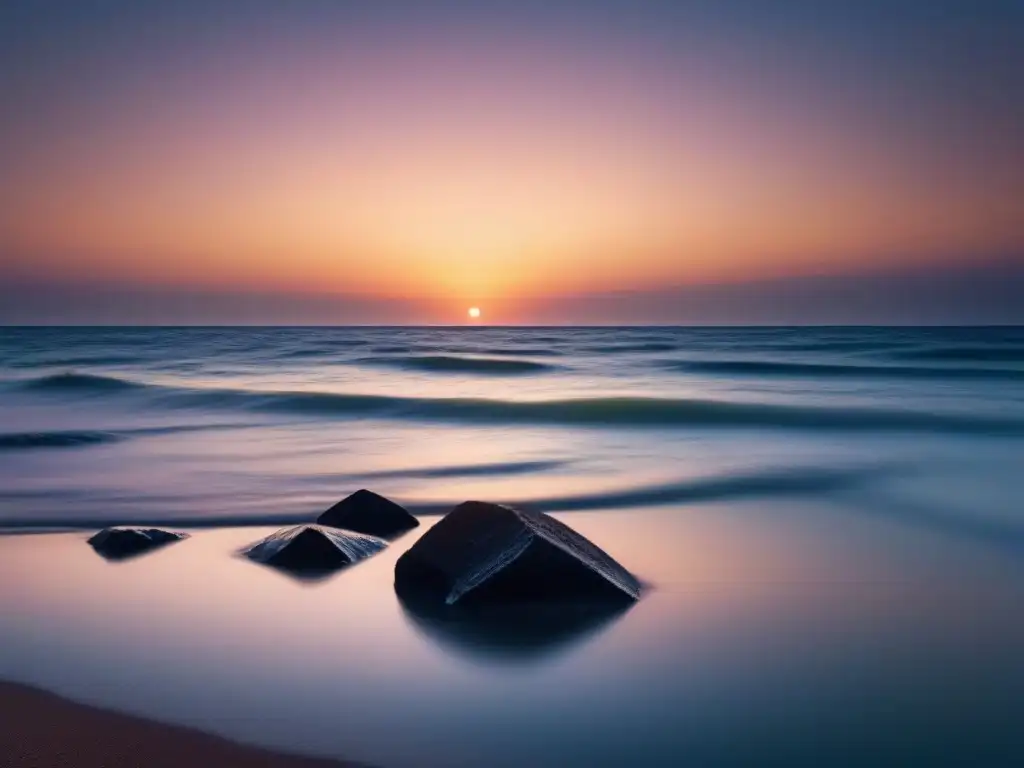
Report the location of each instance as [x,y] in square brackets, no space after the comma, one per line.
[474,313]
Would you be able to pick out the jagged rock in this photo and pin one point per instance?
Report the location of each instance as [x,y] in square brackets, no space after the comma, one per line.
[488,554]
[313,548]
[367,512]
[118,543]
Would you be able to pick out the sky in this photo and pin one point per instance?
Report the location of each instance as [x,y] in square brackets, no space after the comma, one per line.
[579,162]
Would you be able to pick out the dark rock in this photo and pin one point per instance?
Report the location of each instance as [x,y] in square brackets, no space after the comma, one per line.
[488,554]
[313,548]
[367,512]
[120,543]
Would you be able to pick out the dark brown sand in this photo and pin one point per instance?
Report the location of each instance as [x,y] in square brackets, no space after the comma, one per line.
[41,730]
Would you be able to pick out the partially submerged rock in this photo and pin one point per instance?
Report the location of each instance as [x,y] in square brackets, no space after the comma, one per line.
[367,512]
[488,554]
[121,542]
[313,548]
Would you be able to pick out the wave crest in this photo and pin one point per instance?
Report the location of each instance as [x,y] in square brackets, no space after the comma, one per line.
[977,354]
[646,346]
[20,441]
[76,382]
[455,364]
[834,370]
[632,412]
[597,412]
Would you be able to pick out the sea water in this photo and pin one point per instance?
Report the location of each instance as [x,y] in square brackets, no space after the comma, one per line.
[829,519]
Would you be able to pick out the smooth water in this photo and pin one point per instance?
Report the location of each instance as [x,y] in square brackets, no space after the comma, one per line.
[829,520]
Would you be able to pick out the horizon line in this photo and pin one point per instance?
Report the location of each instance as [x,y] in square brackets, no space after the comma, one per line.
[481,327]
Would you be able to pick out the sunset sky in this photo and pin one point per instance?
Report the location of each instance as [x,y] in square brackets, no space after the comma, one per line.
[401,162]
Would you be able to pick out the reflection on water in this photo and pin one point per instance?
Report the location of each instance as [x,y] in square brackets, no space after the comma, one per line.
[300,574]
[793,633]
[122,557]
[522,633]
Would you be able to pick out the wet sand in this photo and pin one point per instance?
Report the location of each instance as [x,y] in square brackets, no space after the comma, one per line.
[41,730]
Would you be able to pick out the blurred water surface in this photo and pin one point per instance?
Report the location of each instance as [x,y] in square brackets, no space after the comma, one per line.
[829,518]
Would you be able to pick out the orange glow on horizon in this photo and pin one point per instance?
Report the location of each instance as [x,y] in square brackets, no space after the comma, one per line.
[483,169]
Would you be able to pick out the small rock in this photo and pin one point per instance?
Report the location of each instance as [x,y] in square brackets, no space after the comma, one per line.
[119,543]
[313,548]
[489,554]
[367,512]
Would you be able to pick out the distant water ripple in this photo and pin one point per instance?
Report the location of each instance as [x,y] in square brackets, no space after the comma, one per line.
[457,364]
[270,425]
[610,412]
[814,370]
[70,439]
[978,354]
[796,481]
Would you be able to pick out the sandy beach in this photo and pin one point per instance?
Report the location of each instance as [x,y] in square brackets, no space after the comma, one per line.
[41,730]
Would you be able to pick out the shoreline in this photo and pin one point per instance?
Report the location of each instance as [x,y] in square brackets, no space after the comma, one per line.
[44,730]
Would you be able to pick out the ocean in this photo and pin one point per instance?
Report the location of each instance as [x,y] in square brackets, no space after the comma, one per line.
[203,425]
[829,519]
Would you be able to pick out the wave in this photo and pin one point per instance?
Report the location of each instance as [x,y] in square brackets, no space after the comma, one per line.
[791,482]
[829,346]
[647,346]
[468,470]
[833,370]
[977,354]
[453,364]
[76,382]
[635,412]
[82,438]
[787,482]
[513,351]
[290,354]
[71,362]
[20,441]
[334,347]
[632,412]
